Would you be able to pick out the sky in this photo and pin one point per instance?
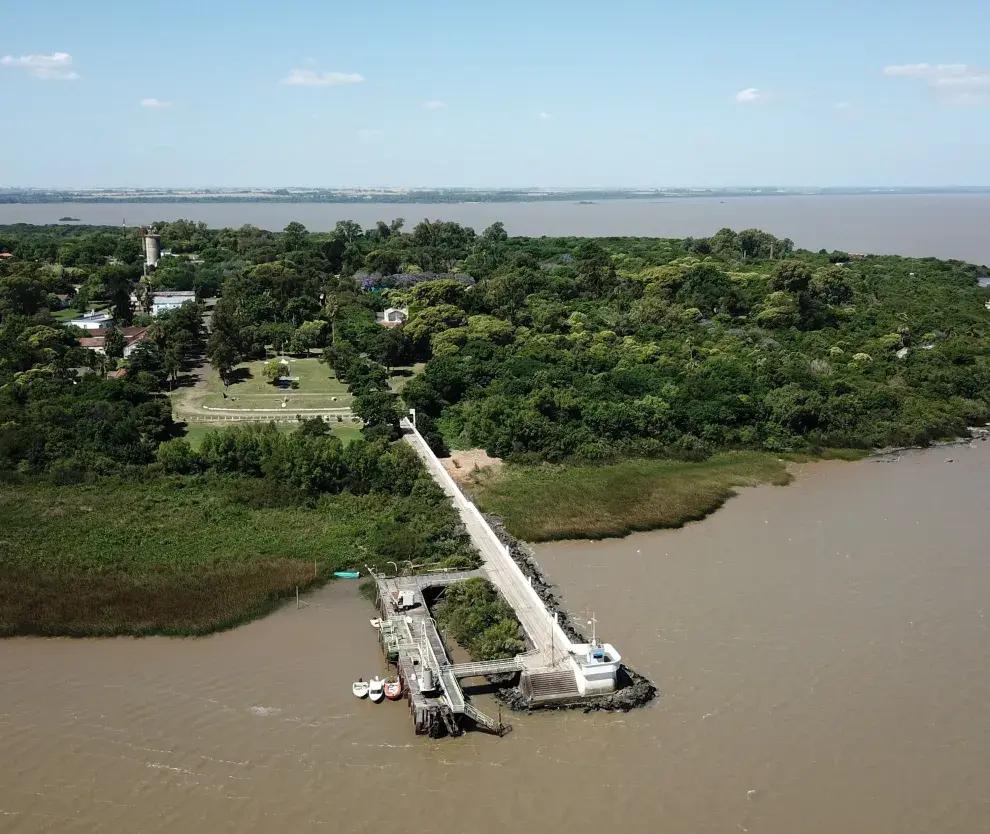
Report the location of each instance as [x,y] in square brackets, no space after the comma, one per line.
[534,93]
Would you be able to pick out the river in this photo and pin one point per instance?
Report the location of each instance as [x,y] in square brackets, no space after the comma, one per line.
[821,650]
[942,226]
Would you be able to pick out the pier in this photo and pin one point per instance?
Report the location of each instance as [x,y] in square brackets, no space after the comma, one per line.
[553,669]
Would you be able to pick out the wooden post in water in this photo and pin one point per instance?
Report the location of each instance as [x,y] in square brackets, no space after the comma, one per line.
[297,597]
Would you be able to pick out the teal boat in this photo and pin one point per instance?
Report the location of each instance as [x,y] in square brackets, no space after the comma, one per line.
[347,574]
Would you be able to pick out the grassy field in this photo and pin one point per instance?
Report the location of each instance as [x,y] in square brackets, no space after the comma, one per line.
[195,432]
[251,390]
[594,502]
[179,556]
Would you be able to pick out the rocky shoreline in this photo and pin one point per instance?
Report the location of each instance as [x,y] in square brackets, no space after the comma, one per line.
[633,690]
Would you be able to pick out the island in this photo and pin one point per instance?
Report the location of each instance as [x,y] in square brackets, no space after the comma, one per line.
[227,430]
[69,220]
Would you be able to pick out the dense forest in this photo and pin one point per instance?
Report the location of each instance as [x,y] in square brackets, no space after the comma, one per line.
[538,348]
[581,352]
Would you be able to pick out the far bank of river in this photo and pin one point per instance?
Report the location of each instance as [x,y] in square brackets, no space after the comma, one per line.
[821,652]
[943,226]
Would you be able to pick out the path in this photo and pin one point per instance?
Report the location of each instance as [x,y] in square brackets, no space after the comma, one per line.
[551,646]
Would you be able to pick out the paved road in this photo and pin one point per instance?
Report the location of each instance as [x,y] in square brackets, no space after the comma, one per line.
[548,640]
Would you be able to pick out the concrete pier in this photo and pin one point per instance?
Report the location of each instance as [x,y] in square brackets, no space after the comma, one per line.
[555,668]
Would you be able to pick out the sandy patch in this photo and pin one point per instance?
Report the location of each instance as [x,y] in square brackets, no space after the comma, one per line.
[463,463]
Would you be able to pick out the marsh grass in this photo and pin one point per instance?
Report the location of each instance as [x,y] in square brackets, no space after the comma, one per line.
[548,503]
[177,556]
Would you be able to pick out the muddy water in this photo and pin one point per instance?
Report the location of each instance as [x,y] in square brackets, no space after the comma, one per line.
[822,650]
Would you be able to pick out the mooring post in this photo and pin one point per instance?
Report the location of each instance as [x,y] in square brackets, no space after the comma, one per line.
[297,597]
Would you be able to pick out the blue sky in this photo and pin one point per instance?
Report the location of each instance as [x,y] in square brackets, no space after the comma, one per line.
[542,93]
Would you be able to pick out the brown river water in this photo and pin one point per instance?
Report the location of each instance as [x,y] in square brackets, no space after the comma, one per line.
[822,651]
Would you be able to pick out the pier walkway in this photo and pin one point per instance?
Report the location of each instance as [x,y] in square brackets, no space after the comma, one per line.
[410,637]
[551,646]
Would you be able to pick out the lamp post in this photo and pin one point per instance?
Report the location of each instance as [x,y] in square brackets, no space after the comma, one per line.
[594,627]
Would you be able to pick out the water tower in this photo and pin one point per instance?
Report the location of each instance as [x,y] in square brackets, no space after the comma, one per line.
[152,247]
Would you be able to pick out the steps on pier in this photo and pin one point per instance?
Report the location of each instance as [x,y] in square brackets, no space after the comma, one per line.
[550,686]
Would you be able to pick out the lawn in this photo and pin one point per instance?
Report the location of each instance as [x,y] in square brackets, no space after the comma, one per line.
[401,374]
[593,502]
[188,556]
[195,432]
[318,388]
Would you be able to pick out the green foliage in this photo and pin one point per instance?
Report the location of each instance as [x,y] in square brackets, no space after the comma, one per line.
[614,499]
[474,615]
[191,555]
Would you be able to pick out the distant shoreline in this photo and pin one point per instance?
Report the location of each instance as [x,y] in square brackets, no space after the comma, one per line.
[444,196]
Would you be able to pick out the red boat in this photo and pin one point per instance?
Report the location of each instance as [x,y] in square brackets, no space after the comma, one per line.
[393,689]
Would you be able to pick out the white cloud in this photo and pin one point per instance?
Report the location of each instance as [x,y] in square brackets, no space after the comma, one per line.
[959,83]
[926,70]
[313,78]
[544,116]
[434,105]
[155,103]
[842,105]
[752,94]
[54,67]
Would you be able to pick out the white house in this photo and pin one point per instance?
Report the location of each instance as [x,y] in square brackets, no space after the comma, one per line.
[92,320]
[392,316]
[163,301]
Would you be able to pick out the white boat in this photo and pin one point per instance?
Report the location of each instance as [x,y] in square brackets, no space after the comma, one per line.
[376,690]
[360,689]
[375,623]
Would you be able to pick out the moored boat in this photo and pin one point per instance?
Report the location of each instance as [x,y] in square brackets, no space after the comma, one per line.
[376,689]
[360,688]
[393,689]
[375,623]
[347,574]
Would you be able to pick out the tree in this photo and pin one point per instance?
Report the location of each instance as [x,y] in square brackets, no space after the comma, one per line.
[295,237]
[389,346]
[177,457]
[275,370]
[309,334]
[223,355]
[172,364]
[313,427]
[383,261]
[147,358]
[792,276]
[113,343]
[380,414]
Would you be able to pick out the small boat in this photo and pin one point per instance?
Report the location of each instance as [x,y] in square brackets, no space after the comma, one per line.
[360,688]
[347,574]
[375,623]
[376,689]
[393,689]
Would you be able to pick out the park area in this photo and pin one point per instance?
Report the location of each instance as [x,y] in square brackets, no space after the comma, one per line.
[251,390]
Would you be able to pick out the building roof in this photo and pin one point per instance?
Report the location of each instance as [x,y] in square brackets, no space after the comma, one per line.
[6,255]
[132,335]
[164,296]
[120,373]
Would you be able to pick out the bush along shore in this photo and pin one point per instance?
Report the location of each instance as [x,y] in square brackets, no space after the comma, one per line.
[632,689]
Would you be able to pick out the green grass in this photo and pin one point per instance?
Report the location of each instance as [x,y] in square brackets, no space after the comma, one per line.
[317,388]
[593,502]
[401,375]
[186,556]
